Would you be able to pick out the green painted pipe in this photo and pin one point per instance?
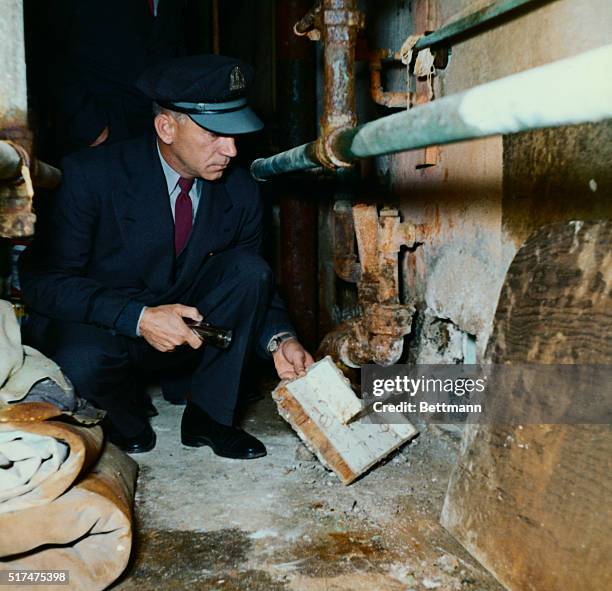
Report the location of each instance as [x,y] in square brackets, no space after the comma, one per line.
[570,91]
[462,26]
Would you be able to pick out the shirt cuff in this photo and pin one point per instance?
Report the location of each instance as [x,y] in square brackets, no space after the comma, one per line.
[139,319]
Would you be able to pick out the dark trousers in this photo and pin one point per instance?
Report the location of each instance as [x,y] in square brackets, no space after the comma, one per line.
[233,290]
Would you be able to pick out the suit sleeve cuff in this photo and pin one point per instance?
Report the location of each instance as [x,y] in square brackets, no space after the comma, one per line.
[128,322]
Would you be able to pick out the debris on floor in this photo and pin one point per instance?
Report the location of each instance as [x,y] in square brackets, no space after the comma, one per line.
[320,407]
[281,523]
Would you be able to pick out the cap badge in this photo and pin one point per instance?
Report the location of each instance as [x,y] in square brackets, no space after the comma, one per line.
[237,81]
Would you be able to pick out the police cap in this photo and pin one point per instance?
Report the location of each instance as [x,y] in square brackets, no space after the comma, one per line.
[210,89]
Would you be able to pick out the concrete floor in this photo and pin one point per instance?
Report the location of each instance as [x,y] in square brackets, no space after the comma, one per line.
[284,523]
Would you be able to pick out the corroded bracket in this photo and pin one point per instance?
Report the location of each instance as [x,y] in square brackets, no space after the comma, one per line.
[377,334]
[379,96]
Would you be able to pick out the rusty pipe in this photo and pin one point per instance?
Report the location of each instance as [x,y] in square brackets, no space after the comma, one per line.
[341,22]
[297,120]
[340,26]
[309,23]
[497,107]
[43,175]
[345,259]
[379,96]
[377,334]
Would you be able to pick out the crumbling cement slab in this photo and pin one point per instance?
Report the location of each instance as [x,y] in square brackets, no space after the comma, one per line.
[320,406]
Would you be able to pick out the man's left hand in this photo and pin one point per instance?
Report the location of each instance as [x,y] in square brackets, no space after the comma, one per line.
[291,359]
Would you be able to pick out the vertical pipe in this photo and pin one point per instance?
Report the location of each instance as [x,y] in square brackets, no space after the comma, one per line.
[296,102]
[13,86]
[16,217]
[216,42]
[339,40]
[340,23]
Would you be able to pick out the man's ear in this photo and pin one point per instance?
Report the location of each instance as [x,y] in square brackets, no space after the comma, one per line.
[165,126]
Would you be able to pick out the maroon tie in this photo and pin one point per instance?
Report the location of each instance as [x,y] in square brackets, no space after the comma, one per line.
[152,7]
[183,215]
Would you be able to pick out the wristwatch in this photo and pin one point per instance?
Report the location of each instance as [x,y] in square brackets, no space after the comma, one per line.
[275,342]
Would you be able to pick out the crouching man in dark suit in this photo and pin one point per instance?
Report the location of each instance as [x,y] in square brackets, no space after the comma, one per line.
[145,233]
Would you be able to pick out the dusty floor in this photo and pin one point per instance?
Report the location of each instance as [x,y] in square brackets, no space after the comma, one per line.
[284,523]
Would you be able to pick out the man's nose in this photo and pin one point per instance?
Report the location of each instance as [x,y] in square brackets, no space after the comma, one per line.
[229,147]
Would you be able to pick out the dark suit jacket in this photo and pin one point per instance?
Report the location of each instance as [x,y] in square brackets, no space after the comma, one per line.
[105,248]
[96,51]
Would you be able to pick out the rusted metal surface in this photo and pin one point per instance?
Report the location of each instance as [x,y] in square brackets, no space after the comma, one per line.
[391,320]
[495,108]
[17,172]
[379,96]
[43,175]
[310,24]
[392,235]
[425,18]
[298,216]
[17,190]
[345,260]
[16,217]
[341,23]
[296,117]
[366,230]
[376,335]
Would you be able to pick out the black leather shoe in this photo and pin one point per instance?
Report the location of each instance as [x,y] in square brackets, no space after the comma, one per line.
[149,408]
[176,401]
[198,429]
[141,443]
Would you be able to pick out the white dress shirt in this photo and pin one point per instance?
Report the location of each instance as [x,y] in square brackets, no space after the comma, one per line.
[172,179]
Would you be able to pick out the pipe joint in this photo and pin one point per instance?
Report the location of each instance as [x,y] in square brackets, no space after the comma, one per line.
[375,337]
[326,149]
[310,25]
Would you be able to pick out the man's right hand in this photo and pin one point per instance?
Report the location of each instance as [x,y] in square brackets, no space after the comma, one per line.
[163,327]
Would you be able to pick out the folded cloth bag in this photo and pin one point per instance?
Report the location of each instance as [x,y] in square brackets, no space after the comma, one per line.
[86,531]
[40,460]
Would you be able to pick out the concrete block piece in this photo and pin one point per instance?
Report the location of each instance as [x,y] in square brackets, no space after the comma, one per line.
[319,407]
